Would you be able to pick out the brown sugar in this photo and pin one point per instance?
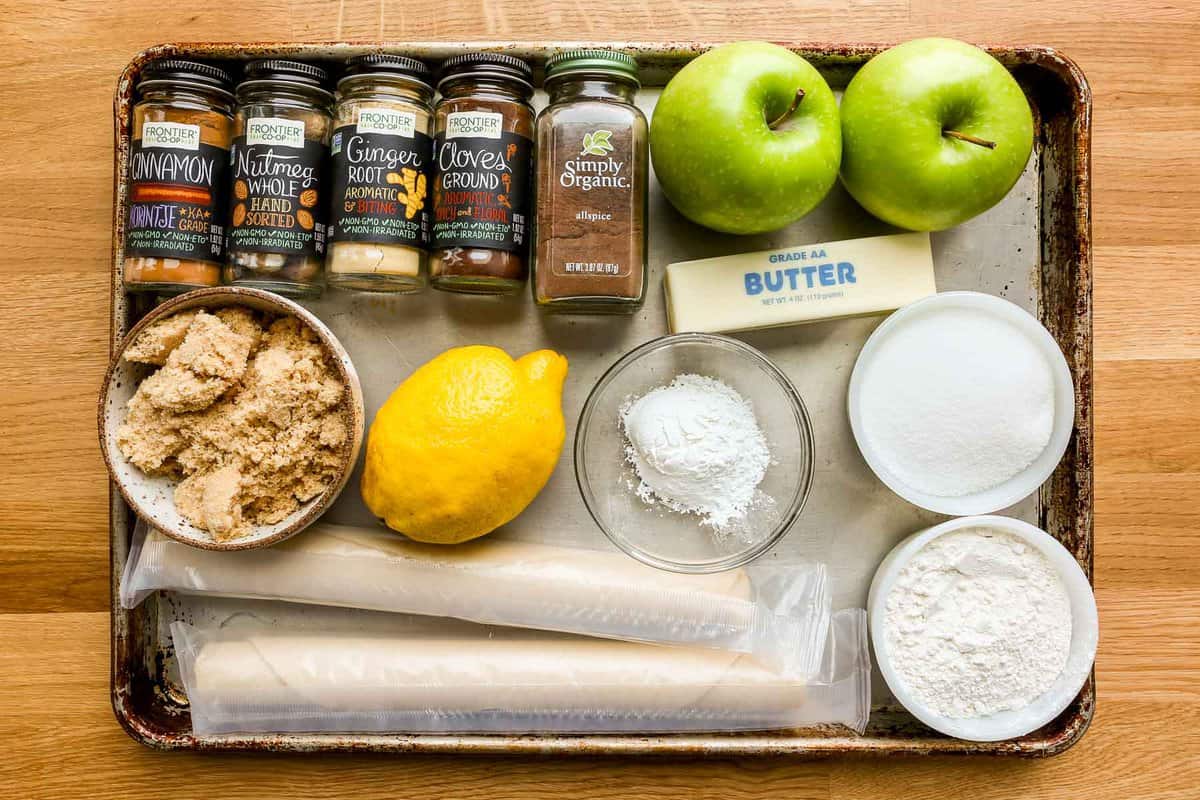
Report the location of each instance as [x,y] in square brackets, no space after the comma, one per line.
[158,340]
[249,414]
[209,358]
[211,349]
[210,499]
[241,320]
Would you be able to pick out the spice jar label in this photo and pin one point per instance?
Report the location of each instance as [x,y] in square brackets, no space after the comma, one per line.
[276,197]
[380,180]
[474,125]
[593,214]
[176,194]
[481,192]
[179,135]
[273,130]
[386,120]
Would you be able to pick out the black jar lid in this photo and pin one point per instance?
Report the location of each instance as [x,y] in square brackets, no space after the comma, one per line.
[487,65]
[384,64]
[179,70]
[279,69]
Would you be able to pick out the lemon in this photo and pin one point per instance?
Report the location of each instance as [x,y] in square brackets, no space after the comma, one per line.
[465,443]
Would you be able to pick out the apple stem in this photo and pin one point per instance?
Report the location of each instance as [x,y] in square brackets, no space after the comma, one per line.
[966,137]
[775,123]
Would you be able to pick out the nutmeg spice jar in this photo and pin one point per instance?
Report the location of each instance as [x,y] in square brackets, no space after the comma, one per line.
[592,179]
[178,170]
[483,175]
[276,235]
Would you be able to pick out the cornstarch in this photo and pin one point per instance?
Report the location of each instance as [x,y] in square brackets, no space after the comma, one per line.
[697,448]
[978,622]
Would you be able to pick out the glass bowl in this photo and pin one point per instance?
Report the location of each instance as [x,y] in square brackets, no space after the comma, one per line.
[668,539]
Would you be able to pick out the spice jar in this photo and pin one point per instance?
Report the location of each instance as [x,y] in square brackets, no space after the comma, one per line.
[592,177]
[178,168]
[381,152]
[276,237]
[483,171]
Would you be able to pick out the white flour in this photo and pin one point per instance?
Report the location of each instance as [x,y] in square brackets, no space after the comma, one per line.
[697,448]
[956,402]
[978,622]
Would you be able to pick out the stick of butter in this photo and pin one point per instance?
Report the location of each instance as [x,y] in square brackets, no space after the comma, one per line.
[771,288]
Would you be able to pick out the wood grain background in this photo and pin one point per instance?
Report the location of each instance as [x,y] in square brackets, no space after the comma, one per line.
[58,65]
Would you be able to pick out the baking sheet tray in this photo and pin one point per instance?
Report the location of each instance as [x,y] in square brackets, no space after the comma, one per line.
[1033,249]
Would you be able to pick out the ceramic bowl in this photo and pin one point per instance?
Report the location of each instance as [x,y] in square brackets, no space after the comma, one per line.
[667,539]
[153,497]
[1018,486]
[1005,724]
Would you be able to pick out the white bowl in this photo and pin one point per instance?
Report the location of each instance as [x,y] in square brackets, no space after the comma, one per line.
[153,498]
[1020,485]
[1085,632]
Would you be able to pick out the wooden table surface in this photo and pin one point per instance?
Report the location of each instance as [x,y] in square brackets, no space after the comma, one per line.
[58,66]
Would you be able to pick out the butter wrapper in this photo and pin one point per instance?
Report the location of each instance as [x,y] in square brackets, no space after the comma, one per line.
[772,288]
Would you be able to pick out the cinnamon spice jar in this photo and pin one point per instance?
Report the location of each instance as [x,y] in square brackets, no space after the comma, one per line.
[483,171]
[178,167]
[592,178]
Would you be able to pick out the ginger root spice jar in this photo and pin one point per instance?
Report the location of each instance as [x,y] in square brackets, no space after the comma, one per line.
[276,235]
[592,178]
[381,153]
[483,175]
[178,168]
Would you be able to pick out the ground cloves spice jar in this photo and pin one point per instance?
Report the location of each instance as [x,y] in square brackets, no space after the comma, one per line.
[592,177]
[483,174]
[276,236]
[178,168]
[381,153]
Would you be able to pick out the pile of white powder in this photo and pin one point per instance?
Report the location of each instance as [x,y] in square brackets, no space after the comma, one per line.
[978,622]
[956,402]
[697,448]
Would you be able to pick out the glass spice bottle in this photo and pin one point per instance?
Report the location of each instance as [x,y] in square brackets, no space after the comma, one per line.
[483,174]
[178,168]
[592,178]
[276,236]
[381,152]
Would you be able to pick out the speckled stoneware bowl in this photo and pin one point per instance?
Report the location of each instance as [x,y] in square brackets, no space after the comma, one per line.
[153,497]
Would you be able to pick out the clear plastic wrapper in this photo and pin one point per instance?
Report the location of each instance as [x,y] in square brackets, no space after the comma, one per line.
[778,614]
[256,678]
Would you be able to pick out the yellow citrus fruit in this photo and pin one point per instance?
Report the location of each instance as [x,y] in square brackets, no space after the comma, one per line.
[465,443]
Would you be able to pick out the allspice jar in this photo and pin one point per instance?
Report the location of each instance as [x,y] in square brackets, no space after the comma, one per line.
[483,174]
[276,235]
[178,168]
[381,153]
[592,177]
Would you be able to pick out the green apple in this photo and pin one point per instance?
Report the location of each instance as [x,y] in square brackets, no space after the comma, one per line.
[745,138]
[934,131]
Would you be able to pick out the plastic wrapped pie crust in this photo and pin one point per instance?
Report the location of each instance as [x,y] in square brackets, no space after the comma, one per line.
[779,614]
[260,678]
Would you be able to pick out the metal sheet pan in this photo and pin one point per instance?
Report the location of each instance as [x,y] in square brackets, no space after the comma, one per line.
[1034,249]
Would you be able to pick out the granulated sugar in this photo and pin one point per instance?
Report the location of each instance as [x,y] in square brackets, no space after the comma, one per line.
[697,448]
[957,401]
